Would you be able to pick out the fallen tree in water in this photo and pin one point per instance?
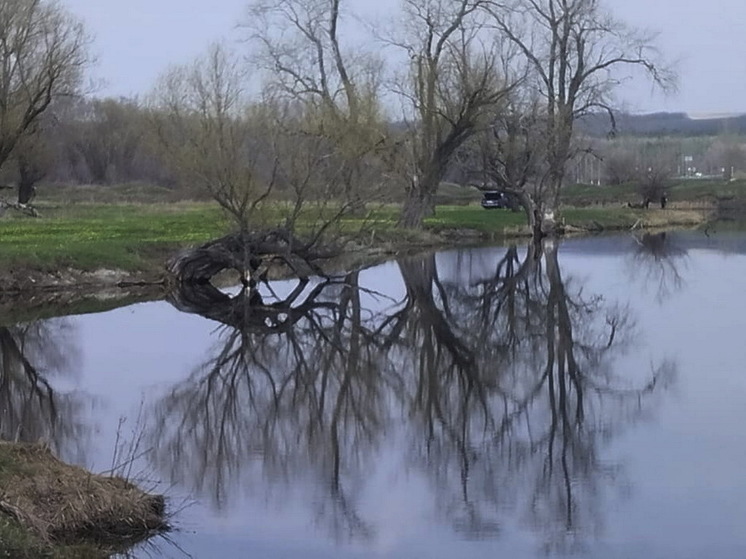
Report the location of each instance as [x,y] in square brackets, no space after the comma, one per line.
[252,255]
[60,504]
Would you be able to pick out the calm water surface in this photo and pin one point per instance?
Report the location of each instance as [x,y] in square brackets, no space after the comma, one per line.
[587,401]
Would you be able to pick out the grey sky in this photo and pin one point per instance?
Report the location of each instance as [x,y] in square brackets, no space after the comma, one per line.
[138,39]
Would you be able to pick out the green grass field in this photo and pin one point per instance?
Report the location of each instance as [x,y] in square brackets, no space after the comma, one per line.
[682,192]
[139,237]
[95,236]
[476,218]
[136,227]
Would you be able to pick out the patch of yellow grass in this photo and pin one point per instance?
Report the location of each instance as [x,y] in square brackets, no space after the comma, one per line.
[672,218]
[67,504]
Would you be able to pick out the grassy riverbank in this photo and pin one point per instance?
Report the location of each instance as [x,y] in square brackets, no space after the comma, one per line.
[591,219]
[92,236]
[682,193]
[138,238]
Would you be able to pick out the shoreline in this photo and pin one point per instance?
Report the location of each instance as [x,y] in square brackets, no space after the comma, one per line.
[382,246]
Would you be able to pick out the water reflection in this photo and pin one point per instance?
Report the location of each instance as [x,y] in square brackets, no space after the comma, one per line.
[657,260]
[30,409]
[296,382]
[498,381]
[512,384]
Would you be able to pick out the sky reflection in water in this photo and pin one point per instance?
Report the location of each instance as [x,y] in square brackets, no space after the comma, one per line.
[583,401]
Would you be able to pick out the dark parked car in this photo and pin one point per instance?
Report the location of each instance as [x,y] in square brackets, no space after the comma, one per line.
[495,199]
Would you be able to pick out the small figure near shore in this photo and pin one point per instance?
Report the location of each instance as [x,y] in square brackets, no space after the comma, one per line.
[664,201]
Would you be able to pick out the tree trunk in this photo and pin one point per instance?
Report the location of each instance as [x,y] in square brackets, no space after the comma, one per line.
[532,212]
[531,209]
[30,172]
[26,192]
[420,203]
[548,224]
[548,220]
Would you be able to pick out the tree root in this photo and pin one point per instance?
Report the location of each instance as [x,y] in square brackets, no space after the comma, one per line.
[26,209]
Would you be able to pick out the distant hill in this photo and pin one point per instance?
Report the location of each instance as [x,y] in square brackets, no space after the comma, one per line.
[663,124]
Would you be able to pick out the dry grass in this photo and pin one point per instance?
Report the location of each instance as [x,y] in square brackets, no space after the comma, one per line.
[66,504]
[674,218]
[622,219]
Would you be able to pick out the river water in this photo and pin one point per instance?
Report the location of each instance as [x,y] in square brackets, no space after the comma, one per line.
[583,400]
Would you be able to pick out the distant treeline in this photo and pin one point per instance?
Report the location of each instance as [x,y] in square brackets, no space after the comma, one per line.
[90,141]
[109,141]
[661,124]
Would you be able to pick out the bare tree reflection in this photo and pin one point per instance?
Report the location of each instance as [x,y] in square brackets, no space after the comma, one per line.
[503,386]
[31,409]
[293,386]
[656,260]
[513,392]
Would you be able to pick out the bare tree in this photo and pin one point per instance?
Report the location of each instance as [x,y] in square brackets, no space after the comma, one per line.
[577,53]
[726,156]
[43,54]
[246,155]
[509,156]
[199,112]
[619,164]
[106,135]
[652,181]
[653,172]
[300,46]
[452,86]
[336,86]
[212,137]
[30,162]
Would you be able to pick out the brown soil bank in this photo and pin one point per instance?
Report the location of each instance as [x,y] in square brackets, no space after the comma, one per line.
[25,279]
[46,506]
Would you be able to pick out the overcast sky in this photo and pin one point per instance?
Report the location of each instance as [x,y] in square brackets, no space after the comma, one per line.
[135,40]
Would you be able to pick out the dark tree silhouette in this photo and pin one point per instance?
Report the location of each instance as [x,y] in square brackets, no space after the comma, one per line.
[512,393]
[31,410]
[657,261]
[293,387]
[501,385]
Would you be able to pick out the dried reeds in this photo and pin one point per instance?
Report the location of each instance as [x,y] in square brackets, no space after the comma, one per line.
[64,503]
